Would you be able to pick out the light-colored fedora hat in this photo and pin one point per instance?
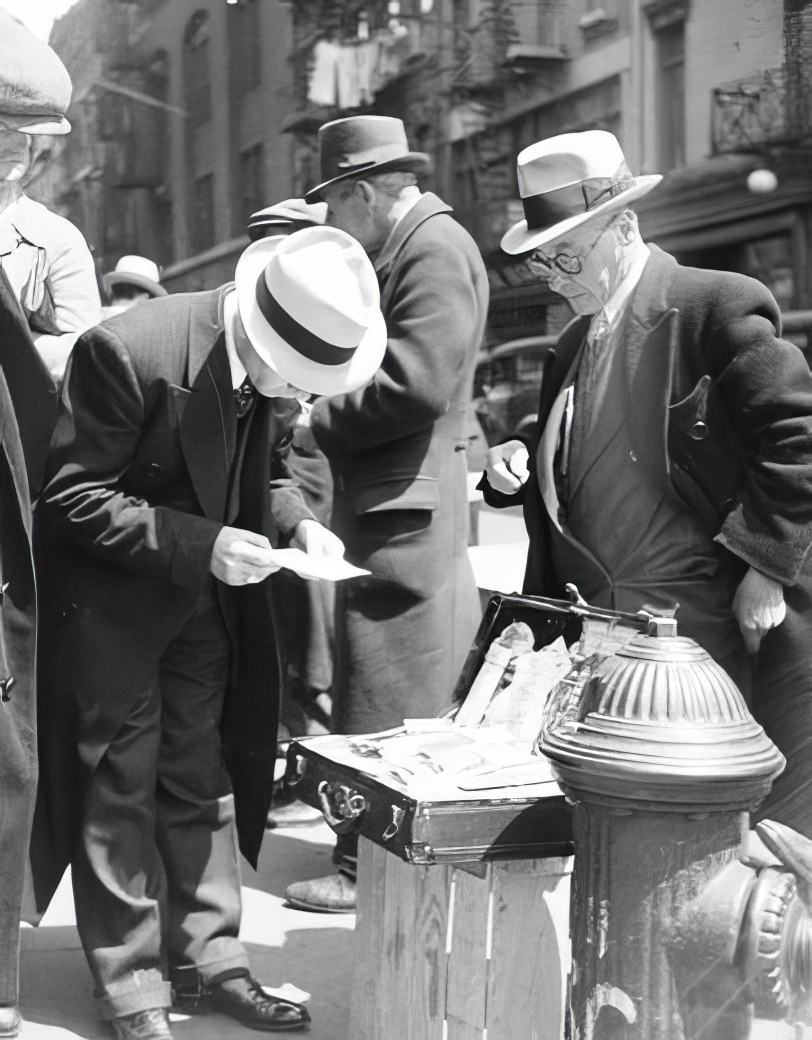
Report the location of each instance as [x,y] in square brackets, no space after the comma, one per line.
[35,87]
[310,305]
[291,214]
[567,180]
[363,144]
[138,271]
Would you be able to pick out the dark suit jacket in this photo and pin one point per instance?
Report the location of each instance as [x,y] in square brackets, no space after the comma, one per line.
[27,406]
[138,492]
[397,451]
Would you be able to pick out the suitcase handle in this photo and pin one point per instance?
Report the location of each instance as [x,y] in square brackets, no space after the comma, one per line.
[341,806]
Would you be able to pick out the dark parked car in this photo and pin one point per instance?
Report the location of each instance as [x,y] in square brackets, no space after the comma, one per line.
[507,384]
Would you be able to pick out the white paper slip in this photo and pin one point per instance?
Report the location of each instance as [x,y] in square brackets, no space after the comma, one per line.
[328,568]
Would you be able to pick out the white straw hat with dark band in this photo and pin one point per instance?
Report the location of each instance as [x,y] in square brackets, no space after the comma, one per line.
[569,179]
[310,305]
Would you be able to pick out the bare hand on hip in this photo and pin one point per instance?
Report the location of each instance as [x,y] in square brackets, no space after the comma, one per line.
[758,606]
[242,557]
[506,467]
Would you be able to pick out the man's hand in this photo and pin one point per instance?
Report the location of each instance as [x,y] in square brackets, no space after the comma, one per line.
[242,557]
[316,540]
[758,606]
[506,468]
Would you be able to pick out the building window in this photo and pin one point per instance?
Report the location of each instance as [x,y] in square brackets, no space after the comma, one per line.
[196,69]
[251,186]
[244,47]
[201,214]
[670,44]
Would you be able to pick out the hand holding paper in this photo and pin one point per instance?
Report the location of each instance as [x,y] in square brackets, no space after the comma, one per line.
[307,565]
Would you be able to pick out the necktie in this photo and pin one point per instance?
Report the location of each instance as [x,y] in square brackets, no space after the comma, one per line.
[244,396]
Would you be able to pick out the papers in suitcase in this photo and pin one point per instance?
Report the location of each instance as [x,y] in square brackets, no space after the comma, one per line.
[471,784]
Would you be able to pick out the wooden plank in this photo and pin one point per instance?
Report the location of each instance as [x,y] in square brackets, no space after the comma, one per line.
[466,965]
[369,941]
[430,962]
[528,950]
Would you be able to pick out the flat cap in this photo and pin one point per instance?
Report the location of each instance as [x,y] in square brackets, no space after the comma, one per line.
[35,87]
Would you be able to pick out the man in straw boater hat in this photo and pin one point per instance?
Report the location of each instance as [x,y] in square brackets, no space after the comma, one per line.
[157,529]
[672,463]
[42,255]
[134,279]
[397,451]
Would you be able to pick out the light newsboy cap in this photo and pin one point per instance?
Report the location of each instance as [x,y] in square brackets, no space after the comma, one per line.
[35,87]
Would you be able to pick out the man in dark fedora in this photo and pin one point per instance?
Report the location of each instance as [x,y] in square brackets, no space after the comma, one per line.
[397,451]
[156,533]
[672,461]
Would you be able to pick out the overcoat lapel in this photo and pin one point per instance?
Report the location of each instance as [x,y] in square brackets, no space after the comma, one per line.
[648,359]
[208,425]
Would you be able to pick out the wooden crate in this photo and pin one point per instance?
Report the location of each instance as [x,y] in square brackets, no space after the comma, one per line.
[451,953]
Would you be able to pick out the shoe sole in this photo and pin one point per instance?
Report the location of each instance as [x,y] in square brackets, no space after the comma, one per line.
[284,1027]
[298,904]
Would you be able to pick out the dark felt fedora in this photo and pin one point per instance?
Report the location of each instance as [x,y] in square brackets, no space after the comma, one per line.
[363,144]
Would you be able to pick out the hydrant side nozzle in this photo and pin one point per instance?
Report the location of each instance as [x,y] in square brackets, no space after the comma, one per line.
[661,627]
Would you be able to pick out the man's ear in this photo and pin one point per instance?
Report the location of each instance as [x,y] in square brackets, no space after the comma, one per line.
[366,191]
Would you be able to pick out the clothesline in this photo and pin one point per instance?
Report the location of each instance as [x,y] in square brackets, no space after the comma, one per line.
[348,74]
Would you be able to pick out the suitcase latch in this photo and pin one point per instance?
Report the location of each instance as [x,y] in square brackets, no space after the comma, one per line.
[341,806]
[394,826]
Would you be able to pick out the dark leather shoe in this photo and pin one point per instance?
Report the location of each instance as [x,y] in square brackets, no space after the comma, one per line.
[334,894]
[243,999]
[152,1024]
[9,1021]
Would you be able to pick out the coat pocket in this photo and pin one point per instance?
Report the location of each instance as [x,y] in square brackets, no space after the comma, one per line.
[409,493]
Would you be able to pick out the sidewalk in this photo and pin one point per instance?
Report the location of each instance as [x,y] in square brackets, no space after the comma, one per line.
[312,952]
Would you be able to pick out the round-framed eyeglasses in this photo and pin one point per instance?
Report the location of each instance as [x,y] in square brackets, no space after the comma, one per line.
[565,261]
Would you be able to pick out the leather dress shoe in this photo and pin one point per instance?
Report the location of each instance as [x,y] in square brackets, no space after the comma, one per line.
[243,999]
[334,894]
[9,1021]
[152,1024]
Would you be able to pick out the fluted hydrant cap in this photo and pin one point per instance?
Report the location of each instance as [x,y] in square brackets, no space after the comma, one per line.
[660,722]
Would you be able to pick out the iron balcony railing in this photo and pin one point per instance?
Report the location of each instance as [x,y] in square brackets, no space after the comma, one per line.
[770,109]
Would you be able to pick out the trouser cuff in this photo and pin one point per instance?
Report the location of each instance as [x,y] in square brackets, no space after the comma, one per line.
[146,989]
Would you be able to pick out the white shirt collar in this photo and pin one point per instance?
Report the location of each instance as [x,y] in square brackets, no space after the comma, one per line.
[238,372]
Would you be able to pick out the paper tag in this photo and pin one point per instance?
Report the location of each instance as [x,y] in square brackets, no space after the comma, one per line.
[326,568]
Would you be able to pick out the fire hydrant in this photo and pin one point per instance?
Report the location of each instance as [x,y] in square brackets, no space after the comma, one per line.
[674,936]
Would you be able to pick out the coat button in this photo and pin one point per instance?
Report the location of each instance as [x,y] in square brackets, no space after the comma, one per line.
[3,590]
[633,455]
[6,687]
[699,431]
[153,471]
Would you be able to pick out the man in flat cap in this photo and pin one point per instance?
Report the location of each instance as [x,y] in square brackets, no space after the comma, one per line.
[397,451]
[45,258]
[306,623]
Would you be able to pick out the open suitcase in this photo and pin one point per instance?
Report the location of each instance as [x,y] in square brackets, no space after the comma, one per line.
[529,821]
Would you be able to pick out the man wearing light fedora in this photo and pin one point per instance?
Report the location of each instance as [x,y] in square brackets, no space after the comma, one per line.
[672,463]
[44,257]
[397,451]
[134,279]
[156,533]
